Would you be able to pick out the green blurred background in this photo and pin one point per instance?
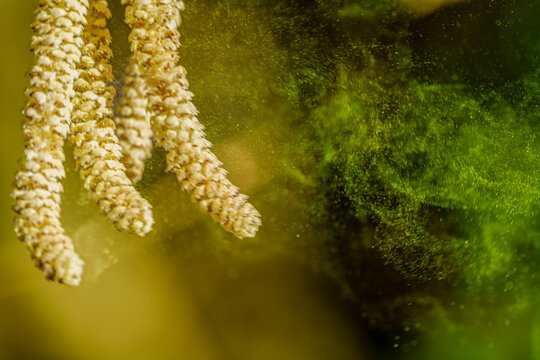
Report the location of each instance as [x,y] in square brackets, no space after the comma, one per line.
[389,146]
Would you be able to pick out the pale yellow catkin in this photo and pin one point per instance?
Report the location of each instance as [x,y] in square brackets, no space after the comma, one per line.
[56,45]
[133,123]
[154,42]
[95,146]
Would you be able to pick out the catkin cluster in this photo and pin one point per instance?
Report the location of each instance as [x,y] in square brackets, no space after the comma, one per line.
[154,42]
[56,45]
[95,145]
[70,94]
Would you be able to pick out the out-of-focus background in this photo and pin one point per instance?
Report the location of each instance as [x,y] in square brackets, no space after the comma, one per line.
[313,283]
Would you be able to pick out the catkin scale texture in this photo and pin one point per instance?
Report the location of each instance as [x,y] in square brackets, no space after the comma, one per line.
[95,146]
[56,45]
[154,42]
[133,123]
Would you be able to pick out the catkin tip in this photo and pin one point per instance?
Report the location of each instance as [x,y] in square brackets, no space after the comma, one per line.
[249,222]
[72,271]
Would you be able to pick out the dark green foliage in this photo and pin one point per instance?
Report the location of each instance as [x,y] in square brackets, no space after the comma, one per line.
[428,152]
[437,167]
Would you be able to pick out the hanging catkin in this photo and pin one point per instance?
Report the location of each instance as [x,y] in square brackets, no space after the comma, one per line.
[95,146]
[133,123]
[154,42]
[56,45]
